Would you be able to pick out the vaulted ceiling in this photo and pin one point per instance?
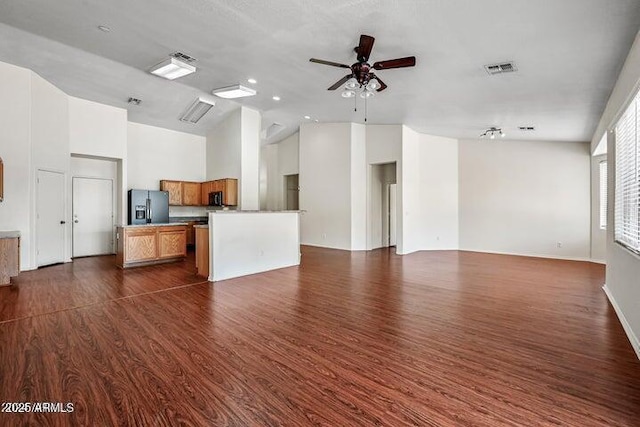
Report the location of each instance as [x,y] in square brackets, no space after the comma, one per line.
[568,54]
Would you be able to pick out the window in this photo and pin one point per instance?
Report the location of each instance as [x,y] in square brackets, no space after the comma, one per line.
[627,168]
[603,195]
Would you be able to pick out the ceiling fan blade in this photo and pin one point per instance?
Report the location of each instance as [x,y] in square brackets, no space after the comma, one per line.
[409,61]
[333,64]
[383,85]
[364,48]
[340,82]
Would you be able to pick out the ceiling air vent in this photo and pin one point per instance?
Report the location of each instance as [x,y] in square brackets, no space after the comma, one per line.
[134,101]
[183,57]
[197,110]
[526,128]
[503,67]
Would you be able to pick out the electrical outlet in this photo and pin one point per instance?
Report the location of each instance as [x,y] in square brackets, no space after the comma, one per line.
[324,235]
[559,244]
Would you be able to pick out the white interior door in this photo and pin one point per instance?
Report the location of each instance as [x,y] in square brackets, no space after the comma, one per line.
[50,218]
[392,214]
[92,216]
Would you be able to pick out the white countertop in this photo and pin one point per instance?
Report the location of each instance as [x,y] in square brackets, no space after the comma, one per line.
[164,224]
[250,212]
[10,234]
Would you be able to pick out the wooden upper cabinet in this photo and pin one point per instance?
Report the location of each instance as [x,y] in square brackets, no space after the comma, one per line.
[184,193]
[191,193]
[175,191]
[207,187]
[230,192]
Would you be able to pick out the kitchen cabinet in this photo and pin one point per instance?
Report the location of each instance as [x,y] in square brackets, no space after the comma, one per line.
[202,250]
[144,245]
[228,186]
[191,193]
[182,193]
[175,191]
[9,256]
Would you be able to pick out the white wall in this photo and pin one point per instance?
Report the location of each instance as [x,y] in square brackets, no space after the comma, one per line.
[223,148]
[325,184]
[598,235]
[623,267]
[154,154]
[358,187]
[523,197]
[97,129]
[15,150]
[409,191]
[249,182]
[245,243]
[380,176]
[50,147]
[439,192]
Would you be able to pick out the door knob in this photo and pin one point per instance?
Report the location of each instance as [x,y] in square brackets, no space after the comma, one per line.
[63,222]
[75,220]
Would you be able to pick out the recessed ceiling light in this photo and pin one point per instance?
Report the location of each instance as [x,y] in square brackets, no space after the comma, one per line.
[276,98]
[197,110]
[235,91]
[307,117]
[172,68]
[104,28]
[316,120]
[252,81]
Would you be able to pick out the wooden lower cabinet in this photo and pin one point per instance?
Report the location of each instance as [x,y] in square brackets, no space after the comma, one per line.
[9,259]
[202,251]
[150,245]
[172,243]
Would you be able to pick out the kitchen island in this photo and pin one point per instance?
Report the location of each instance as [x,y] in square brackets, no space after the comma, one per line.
[148,244]
[248,242]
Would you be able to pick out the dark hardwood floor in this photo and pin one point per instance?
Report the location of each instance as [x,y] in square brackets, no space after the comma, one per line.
[346,339]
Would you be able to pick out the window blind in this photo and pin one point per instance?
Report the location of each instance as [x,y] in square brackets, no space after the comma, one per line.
[627,168]
[603,195]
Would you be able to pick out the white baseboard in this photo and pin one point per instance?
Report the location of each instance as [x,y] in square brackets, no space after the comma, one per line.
[563,258]
[633,339]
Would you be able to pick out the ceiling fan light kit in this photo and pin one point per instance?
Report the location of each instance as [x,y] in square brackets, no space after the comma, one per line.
[492,132]
[362,78]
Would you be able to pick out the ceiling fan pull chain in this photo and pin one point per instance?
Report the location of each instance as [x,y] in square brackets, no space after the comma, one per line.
[365,109]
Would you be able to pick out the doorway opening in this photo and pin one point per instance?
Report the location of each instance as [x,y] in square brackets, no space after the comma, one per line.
[292,192]
[92,216]
[382,206]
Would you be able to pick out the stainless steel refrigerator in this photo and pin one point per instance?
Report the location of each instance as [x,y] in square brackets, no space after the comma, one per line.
[148,207]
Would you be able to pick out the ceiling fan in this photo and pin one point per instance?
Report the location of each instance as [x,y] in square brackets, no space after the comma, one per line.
[362,75]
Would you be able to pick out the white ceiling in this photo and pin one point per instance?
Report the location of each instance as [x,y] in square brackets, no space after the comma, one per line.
[568,54]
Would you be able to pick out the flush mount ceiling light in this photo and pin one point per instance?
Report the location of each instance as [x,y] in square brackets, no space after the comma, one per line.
[235,91]
[172,68]
[492,132]
[197,110]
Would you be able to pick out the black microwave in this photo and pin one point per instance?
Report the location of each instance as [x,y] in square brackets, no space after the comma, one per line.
[215,198]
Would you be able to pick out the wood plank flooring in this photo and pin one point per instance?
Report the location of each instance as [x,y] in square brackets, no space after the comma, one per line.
[346,339]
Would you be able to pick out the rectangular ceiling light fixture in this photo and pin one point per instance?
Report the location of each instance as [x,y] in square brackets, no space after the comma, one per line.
[197,110]
[235,91]
[172,68]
